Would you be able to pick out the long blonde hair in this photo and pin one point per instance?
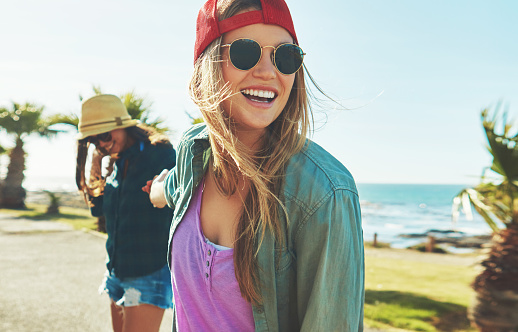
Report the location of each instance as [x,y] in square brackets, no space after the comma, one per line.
[264,169]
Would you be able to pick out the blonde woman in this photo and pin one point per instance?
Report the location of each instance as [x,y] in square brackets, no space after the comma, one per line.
[266,233]
[137,279]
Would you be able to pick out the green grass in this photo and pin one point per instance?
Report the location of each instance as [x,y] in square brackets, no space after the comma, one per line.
[78,218]
[417,296]
[370,244]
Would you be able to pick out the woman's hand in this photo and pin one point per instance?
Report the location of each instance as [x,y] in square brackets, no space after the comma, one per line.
[155,189]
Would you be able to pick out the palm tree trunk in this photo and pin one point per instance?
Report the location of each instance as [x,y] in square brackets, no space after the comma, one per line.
[495,306]
[13,194]
[101,224]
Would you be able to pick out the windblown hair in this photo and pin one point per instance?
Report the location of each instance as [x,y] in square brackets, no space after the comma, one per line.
[95,186]
[264,169]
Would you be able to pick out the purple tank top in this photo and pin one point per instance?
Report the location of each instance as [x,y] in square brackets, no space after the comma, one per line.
[205,289]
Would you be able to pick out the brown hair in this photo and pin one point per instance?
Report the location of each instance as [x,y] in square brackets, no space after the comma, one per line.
[264,169]
[96,183]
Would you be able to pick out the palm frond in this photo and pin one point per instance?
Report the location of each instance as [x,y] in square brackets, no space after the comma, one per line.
[502,144]
[496,201]
[21,119]
[140,108]
[49,126]
[477,200]
[67,119]
[194,120]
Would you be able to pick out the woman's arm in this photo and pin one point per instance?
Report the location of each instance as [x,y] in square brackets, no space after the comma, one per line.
[330,266]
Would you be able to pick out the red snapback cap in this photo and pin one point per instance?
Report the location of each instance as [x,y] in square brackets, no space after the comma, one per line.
[208,28]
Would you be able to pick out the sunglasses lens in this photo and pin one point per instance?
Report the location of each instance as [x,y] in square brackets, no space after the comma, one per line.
[245,53]
[288,58]
[104,137]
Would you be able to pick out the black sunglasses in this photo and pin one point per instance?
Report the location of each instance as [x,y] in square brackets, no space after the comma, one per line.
[245,54]
[104,137]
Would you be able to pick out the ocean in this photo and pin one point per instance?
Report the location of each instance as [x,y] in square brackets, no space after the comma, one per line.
[389,210]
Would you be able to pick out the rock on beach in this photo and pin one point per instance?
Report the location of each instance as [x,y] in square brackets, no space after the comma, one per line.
[452,238]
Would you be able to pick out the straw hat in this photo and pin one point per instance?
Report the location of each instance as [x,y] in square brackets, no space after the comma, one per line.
[103,113]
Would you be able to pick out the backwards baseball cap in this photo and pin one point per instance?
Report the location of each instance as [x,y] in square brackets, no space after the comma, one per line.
[208,27]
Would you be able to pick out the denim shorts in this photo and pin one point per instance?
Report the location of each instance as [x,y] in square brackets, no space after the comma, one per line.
[154,289]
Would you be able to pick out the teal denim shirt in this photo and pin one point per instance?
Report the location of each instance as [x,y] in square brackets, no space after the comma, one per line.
[315,282]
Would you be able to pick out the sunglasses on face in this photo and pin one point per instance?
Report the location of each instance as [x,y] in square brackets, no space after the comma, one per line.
[245,54]
[104,137]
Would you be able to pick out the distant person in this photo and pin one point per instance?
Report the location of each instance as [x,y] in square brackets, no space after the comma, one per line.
[266,233]
[137,279]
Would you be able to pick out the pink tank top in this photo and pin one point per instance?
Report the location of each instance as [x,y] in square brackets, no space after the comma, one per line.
[205,289]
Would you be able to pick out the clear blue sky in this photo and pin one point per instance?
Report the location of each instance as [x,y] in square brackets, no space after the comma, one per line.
[437,64]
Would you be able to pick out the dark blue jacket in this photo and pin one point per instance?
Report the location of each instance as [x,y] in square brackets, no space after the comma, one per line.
[137,232]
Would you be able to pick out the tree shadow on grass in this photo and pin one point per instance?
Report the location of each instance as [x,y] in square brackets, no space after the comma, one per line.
[450,316]
[42,216]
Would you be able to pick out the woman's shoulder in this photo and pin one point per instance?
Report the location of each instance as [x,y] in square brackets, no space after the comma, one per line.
[197,131]
[313,174]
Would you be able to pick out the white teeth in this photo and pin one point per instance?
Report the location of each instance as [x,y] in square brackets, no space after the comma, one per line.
[259,93]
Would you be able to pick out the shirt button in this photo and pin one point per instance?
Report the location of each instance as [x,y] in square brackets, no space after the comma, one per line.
[208,263]
[209,253]
[206,275]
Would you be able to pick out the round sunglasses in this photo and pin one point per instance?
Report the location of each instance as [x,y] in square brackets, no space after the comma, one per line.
[104,137]
[245,54]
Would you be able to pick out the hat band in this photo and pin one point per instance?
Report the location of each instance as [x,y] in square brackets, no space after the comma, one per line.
[118,122]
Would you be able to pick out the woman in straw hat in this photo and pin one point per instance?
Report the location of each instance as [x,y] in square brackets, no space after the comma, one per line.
[266,233]
[137,279]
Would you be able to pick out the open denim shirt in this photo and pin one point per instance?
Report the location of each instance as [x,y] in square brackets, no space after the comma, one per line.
[315,282]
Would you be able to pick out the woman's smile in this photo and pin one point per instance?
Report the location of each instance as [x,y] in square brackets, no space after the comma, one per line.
[261,96]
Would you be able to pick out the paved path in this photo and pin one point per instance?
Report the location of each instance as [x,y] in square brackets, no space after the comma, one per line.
[49,277]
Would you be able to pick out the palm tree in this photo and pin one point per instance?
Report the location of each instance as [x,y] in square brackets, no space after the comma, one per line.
[495,306]
[2,151]
[20,121]
[139,108]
